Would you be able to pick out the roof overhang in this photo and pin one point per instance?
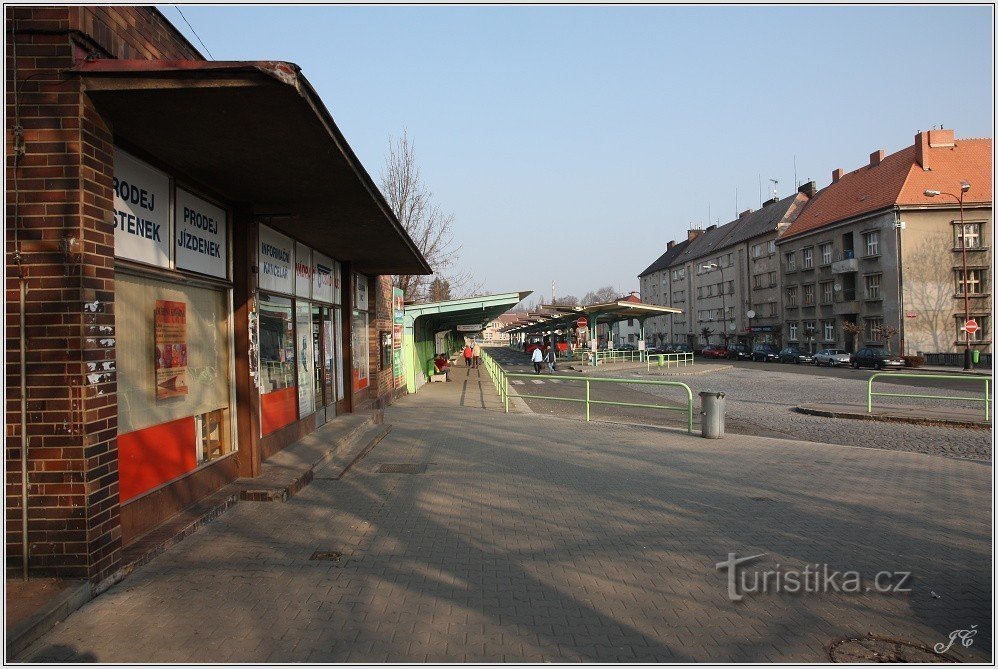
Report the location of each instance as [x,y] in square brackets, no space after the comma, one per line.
[609,312]
[447,315]
[258,135]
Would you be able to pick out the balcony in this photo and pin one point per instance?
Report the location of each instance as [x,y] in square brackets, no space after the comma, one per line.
[845,265]
[846,303]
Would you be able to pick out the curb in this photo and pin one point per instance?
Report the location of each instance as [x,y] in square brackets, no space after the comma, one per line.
[888,418]
[41,623]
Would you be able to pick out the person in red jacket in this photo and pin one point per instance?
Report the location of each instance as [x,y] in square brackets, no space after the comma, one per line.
[467,355]
[443,367]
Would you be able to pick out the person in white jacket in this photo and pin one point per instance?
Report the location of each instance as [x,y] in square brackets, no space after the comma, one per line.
[537,357]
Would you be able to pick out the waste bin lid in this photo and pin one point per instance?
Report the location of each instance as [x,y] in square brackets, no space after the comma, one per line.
[710,393]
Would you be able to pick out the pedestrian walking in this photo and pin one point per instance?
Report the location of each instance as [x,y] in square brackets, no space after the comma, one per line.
[551,358]
[467,355]
[537,358]
[476,352]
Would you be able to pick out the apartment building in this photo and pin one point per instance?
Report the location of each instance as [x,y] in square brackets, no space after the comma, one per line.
[873,250]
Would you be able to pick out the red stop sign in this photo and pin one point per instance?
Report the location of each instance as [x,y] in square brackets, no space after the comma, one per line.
[582,322]
[971,326]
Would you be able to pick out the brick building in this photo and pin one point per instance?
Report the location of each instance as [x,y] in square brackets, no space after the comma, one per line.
[204,269]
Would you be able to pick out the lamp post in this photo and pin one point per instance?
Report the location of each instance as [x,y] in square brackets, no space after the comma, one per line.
[964,187]
[724,314]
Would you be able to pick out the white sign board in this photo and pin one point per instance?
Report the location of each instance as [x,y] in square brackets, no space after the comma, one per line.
[303,270]
[360,292]
[275,259]
[322,277]
[201,231]
[469,328]
[641,345]
[141,211]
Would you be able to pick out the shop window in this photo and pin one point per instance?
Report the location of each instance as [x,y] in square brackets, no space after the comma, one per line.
[360,348]
[174,379]
[385,337]
[278,387]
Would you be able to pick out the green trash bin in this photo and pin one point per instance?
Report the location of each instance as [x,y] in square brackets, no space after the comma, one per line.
[975,355]
[661,361]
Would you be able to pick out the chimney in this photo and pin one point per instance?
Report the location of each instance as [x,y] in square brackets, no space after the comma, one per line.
[941,138]
[693,234]
[744,214]
[876,157]
[810,189]
[711,227]
[770,201]
[837,174]
[668,246]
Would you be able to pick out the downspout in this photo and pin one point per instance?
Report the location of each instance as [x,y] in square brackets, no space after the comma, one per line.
[23,283]
[901,318]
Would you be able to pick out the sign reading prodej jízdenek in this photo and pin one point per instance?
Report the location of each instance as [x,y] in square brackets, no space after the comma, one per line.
[141,211]
[276,262]
[201,230]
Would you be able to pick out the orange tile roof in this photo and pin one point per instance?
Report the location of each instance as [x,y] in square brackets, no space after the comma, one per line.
[900,180]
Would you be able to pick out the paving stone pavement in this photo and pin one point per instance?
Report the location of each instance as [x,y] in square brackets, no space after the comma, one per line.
[532,538]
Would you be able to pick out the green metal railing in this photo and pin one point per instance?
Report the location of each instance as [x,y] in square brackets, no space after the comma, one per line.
[895,375]
[668,360]
[500,378]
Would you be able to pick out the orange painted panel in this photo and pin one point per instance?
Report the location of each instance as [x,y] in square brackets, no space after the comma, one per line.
[278,409]
[154,456]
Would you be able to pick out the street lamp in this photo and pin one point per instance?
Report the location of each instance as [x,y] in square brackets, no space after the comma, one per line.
[964,187]
[709,267]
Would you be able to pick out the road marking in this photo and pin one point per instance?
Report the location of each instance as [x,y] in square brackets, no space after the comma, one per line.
[555,381]
[537,381]
[517,382]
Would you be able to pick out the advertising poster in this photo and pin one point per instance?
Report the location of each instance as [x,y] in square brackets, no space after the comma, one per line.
[360,350]
[171,349]
[306,358]
[398,320]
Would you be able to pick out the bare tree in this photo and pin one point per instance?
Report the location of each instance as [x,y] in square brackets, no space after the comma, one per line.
[887,333]
[707,334]
[428,226]
[853,330]
[600,296]
[567,301]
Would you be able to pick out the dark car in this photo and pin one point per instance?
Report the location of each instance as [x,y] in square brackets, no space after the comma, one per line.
[795,355]
[714,351]
[680,348]
[627,347]
[877,358]
[739,352]
[765,353]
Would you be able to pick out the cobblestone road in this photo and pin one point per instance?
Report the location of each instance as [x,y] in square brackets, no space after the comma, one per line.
[531,538]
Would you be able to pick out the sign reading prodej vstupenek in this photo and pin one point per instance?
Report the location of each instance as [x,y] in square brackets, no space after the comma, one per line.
[276,259]
[201,230]
[141,211]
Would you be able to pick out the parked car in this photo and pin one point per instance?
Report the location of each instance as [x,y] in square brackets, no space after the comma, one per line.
[831,357]
[680,348]
[739,352]
[765,353]
[877,358]
[714,351]
[627,347]
[795,355]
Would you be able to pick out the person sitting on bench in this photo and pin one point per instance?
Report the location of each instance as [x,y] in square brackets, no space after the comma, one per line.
[443,367]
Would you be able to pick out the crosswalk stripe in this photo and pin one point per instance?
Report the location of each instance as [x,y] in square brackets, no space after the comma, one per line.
[537,381]
[517,382]
[555,381]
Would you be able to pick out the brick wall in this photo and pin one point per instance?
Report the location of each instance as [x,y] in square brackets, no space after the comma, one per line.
[59,202]
[381,321]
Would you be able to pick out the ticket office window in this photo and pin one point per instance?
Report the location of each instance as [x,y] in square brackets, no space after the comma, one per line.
[174,379]
[277,382]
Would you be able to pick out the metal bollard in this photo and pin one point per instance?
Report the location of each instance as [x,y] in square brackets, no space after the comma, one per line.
[712,415]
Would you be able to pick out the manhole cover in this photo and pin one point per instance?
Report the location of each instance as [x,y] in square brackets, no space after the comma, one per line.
[877,649]
[329,556]
[401,468]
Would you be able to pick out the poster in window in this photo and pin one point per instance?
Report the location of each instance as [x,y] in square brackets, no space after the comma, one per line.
[171,349]
[360,292]
[306,358]
[360,350]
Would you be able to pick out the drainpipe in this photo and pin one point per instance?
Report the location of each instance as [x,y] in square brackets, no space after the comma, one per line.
[23,285]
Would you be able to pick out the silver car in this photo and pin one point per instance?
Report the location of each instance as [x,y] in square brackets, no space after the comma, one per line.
[831,357]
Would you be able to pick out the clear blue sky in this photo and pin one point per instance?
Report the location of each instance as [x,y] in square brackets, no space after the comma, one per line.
[572,143]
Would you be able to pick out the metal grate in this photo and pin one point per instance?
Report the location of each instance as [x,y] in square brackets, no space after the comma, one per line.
[401,468]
